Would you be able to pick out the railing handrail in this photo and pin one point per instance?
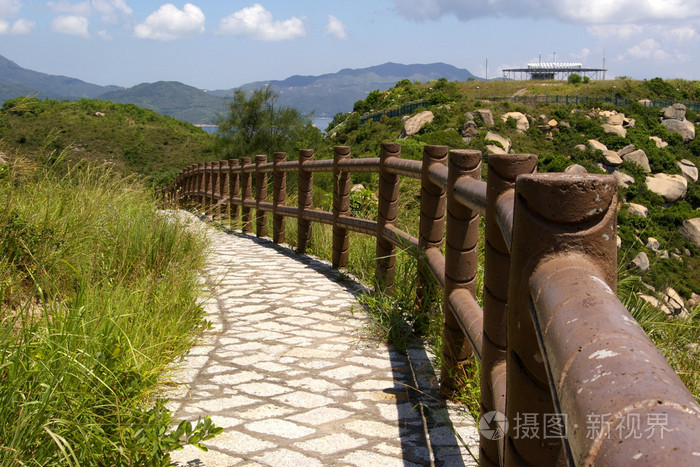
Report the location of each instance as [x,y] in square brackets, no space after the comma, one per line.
[549,260]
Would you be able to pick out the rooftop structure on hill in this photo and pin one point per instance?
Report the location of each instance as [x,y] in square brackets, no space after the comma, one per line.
[552,70]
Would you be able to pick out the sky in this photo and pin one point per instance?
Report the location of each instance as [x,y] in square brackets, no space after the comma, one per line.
[223,44]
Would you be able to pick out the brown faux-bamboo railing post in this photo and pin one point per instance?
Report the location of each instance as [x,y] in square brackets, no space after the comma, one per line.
[341,206]
[387,214]
[306,199]
[502,171]
[233,189]
[260,196]
[582,219]
[461,263]
[279,196]
[432,226]
[207,188]
[200,186]
[190,184]
[215,190]
[246,193]
[223,190]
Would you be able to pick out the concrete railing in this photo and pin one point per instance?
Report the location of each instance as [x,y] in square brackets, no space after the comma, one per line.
[568,377]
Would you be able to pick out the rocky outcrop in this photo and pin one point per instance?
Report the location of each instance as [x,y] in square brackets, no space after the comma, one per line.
[522,124]
[623,180]
[638,210]
[691,231]
[611,158]
[670,187]
[617,130]
[485,116]
[641,262]
[469,130]
[415,123]
[597,145]
[502,145]
[659,142]
[674,120]
[638,157]
[615,122]
[575,169]
[688,170]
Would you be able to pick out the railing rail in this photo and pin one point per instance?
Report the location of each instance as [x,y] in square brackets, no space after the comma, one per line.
[560,355]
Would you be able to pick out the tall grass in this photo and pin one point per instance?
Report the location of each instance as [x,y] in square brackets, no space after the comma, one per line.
[98,294]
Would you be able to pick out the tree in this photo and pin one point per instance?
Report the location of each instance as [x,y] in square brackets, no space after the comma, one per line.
[574,78]
[256,125]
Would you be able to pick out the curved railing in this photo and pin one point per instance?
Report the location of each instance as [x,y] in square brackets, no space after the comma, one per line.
[568,376]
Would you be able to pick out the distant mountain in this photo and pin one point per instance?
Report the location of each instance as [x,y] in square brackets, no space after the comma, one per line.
[171,98]
[331,93]
[15,79]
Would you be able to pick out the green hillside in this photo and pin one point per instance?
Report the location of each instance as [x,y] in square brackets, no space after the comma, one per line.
[133,139]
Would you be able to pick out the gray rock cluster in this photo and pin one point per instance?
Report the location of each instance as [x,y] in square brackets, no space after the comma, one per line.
[674,120]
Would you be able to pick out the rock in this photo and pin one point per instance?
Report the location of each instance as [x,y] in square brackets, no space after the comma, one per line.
[521,122]
[612,117]
[99,114]
[486,116]
[674,302]
[675,112]
[553,123]
[670,187]
[629,123]
[415,123]
[575,169]
[580,147]
[659,142]
[495,149]
[611,158]
[653,244]
[691,231]
[623,180]
[630,148]
[617,130]
[469,130]
[653,301]
[597,145]
[683,127]
[641,262]
[640,158]
[496,138]
[638,210]
[689,170]
[618,241]
[694,300]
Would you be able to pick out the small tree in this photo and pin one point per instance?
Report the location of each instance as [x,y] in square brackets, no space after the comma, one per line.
[574,78]
[256,125]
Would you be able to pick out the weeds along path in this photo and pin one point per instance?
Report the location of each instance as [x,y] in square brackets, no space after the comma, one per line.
[286,372]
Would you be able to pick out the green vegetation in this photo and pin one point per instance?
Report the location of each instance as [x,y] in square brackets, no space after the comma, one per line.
[132,139]
[98,295]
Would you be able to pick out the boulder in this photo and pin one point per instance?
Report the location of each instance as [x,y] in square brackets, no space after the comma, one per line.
[670,187]
[618,241]
[580,147]
[691,231]
[496,138]
[640,158]
[597,145]
[689,170]
[469,130]
[638,210]
[653,301]
[694,300]
[659,142]
[653,244]
[629,123]
[675,112]
[611,158]
[641,262]
[575,169]
[521,122]
[623,180]
[415,123]
[612,117]
[627,150]
[683,127]
[674,301]
[617,130]
[486,116]
[553,123]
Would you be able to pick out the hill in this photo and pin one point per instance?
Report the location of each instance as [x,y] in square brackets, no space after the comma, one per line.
[329,94]
[172,98]
[38,84]
[133,139]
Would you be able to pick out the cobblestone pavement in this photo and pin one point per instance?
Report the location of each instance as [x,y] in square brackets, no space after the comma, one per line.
[287,374]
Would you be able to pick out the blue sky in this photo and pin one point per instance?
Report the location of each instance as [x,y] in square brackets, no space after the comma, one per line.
[223,44]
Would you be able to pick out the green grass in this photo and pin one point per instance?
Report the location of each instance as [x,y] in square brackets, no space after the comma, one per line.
[98,294]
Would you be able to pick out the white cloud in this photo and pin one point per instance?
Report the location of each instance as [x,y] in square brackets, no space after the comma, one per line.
[75,9]
[256,22]
[9,7]
[169,23]
[621,31]
[576,11]
[648,49]
[682,34]
[19,27]
[71,25]
[335,28]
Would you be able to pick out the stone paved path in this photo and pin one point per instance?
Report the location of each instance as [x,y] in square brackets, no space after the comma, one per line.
[285,370]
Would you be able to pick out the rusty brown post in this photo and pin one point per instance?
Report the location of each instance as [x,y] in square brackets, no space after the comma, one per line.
[260,196]
[461,263]
[208,188]
[502,171]
[223,189]
[190,184]
[215,190]
[387,214]
[200,186]
[279,196]
[431,230]
[246,194]
[555,214]
[306,199]
[233,191]
[341,206]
